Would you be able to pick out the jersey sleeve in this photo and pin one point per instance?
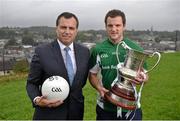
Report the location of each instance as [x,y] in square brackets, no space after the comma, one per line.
[94,62]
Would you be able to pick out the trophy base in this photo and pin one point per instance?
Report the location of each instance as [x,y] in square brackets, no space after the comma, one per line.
[119,101]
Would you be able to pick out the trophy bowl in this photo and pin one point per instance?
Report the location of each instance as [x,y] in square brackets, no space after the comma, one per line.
[134,62]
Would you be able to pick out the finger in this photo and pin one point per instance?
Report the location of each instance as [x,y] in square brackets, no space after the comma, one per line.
[105,90]
[102,93]
[55,104]
[39,100]
[141,77]
[53,101]
[59,103]
[144,76]
[46,102]
[50,105]
[42,97]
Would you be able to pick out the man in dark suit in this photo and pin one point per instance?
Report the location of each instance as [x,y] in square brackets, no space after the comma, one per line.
[49,60]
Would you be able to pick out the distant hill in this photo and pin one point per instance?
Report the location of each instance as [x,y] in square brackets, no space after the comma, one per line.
[40,29]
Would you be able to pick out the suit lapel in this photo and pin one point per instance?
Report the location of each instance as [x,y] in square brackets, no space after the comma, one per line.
[59,59]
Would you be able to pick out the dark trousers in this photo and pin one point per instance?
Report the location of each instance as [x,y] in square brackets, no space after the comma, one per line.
[106,115]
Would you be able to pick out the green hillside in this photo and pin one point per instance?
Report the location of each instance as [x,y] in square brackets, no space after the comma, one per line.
[160,96]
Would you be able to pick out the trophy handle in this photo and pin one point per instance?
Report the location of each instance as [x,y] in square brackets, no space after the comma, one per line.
[159,57]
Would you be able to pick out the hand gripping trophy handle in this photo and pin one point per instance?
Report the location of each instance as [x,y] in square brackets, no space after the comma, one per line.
[159,57]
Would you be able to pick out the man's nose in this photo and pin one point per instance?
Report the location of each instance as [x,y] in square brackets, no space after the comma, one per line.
[67,30]
[113,28]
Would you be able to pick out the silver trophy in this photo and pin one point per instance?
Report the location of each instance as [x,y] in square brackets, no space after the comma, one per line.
[134,64]
[123,92]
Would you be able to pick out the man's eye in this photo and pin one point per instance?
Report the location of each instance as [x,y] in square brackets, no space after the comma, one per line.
[110,26]
[118,25]
[71,28]
[63,27]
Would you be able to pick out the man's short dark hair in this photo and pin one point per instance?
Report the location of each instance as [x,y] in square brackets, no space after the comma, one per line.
[114,13]
[67,15]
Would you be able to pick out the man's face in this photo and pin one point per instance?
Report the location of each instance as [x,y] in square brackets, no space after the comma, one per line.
[115,28]
[66,30]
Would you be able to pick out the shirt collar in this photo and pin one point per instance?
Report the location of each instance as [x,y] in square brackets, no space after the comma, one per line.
[62,46]
[110,41]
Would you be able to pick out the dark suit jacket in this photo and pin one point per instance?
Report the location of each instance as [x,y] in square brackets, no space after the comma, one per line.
[48,61]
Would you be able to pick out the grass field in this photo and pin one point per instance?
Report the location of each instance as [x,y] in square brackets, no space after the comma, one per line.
[160,96]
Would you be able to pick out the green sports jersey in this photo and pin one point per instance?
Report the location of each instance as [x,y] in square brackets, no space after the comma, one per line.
[104,55]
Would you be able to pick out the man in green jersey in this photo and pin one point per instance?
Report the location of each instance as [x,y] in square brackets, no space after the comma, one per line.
[104,60]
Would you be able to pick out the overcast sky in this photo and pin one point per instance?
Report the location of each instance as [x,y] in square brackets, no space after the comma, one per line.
[140,14]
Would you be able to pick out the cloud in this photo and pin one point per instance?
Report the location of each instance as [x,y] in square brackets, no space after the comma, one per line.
[141,14]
